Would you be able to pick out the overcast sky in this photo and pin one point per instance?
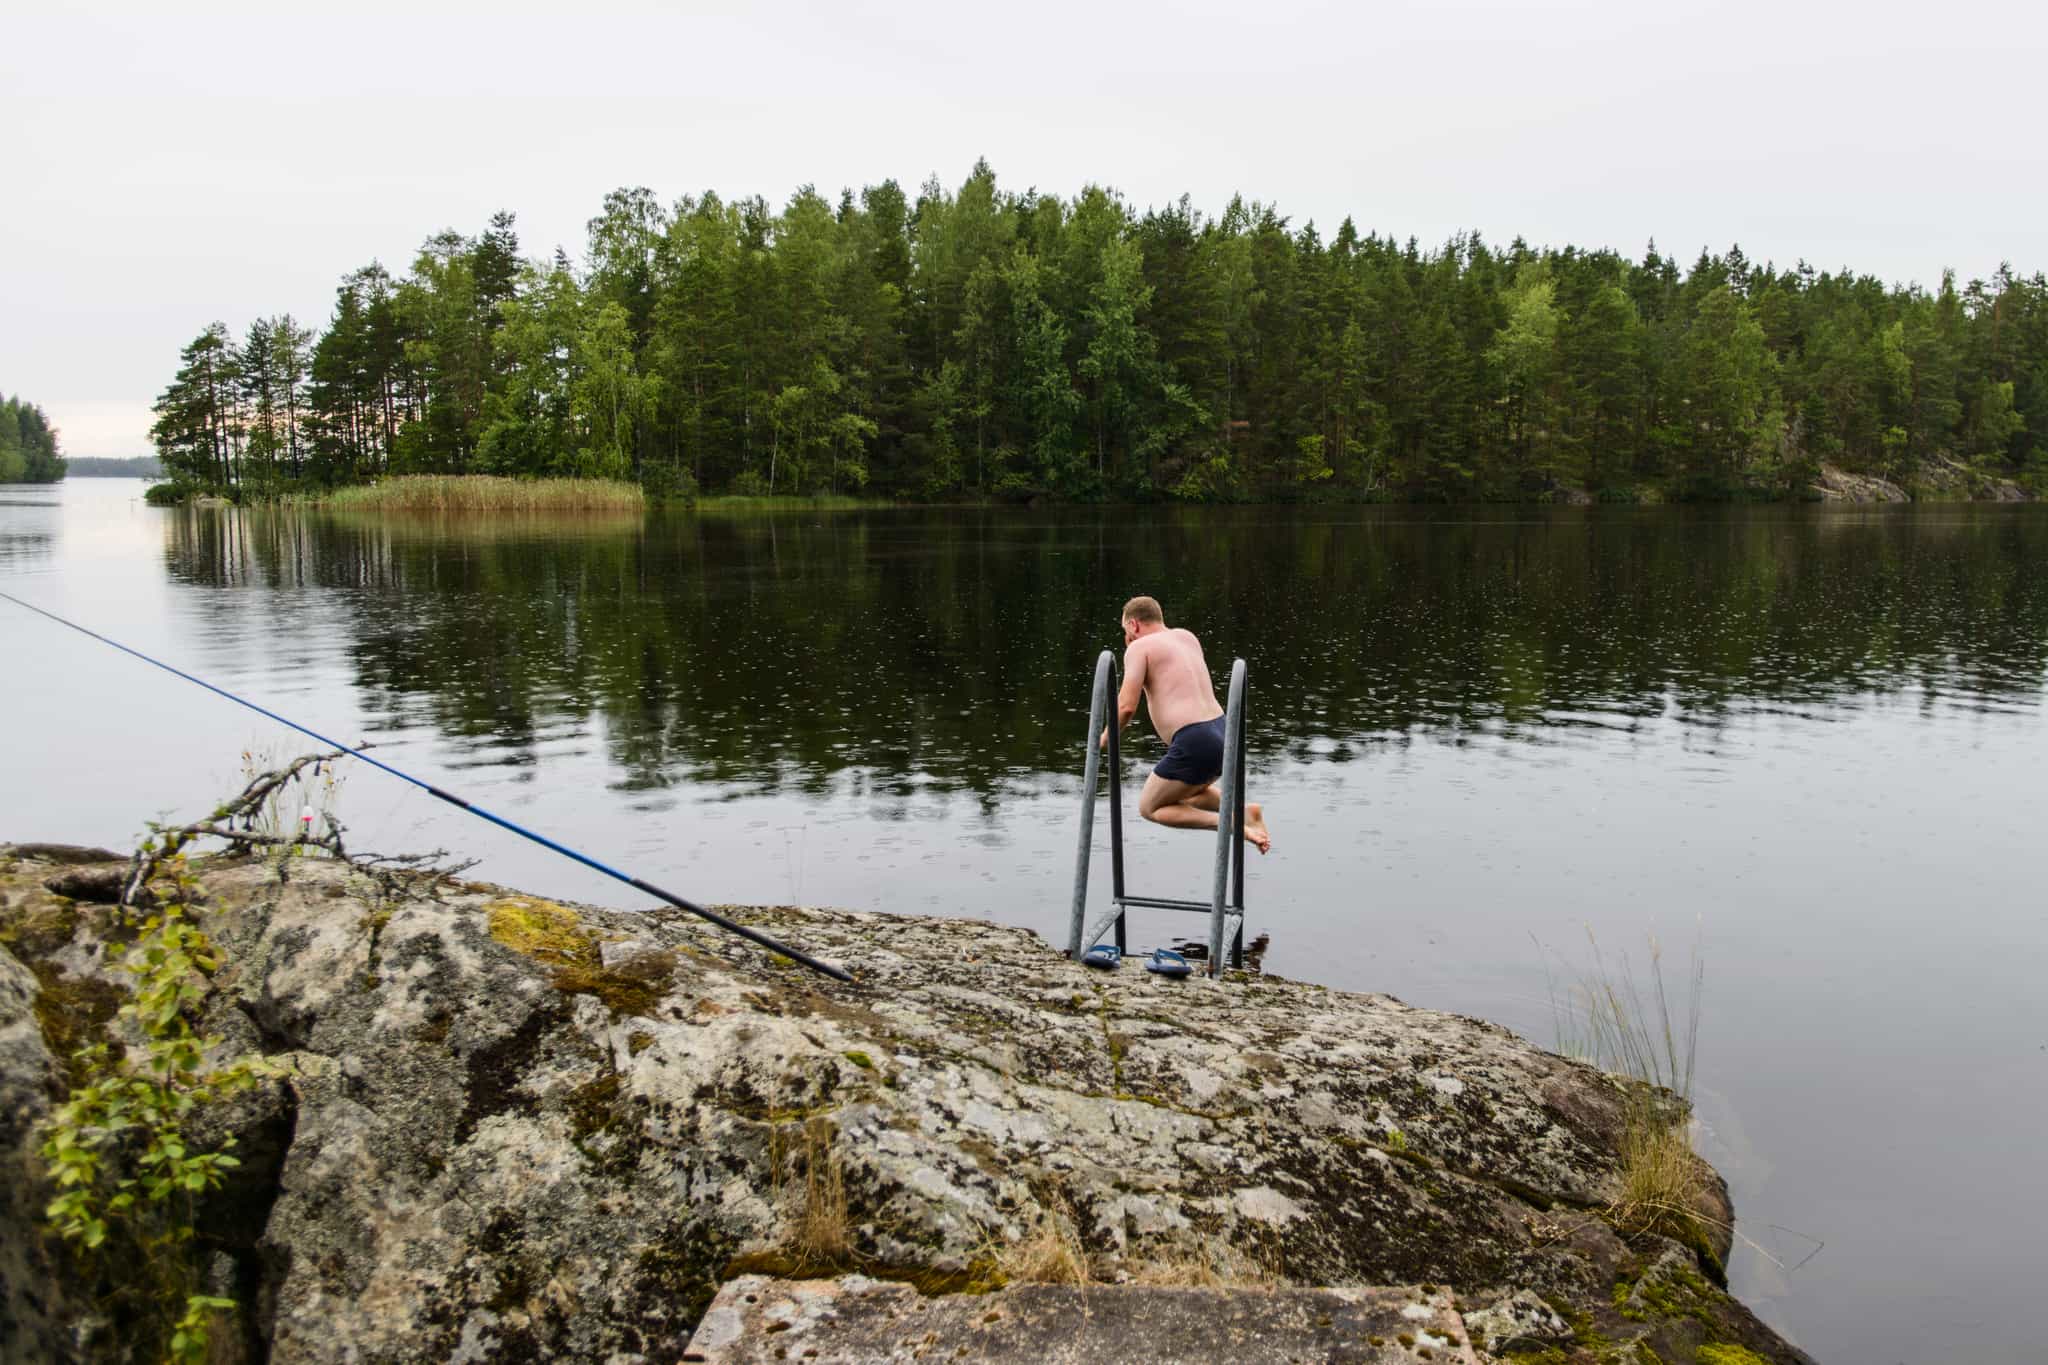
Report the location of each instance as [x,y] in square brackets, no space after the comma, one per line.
[172,164]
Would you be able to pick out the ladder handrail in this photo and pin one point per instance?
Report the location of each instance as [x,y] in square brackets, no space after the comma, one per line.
[1229,820]
[1105,670]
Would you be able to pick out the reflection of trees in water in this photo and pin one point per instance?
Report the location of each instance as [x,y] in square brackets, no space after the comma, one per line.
[23,547]
[19,544]
[953,648]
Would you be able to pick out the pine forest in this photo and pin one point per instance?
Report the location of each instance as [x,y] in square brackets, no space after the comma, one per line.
[984,343]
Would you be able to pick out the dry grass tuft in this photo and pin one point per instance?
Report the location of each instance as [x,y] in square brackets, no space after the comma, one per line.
[823,1235]
[1664,1185]
[1609,1020]
[1051,1254]
[1614,1024]
[487,493]
[1194,1267]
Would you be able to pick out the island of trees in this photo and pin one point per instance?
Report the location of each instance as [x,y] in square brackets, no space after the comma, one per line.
[28,444]
[984,342]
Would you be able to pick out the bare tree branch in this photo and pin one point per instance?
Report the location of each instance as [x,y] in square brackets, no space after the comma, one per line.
[168,841]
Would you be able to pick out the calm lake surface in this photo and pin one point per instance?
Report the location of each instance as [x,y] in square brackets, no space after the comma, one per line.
[1808,740]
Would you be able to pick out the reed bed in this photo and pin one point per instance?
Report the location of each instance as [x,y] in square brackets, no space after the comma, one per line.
[488,493]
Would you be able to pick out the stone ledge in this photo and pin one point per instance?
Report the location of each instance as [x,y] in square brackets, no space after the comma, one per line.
[756,1320]
[512,1128]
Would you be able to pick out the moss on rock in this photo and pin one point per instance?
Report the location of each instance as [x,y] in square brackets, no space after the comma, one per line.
[555,935]
[1725,1353]
[36,924]
[74,1013]
[541,929]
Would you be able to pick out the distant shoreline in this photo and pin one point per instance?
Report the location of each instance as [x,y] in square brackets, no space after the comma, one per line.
[104,467]
[1944,482]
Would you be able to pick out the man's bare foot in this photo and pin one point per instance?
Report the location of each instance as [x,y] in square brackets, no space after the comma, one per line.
[1255,827]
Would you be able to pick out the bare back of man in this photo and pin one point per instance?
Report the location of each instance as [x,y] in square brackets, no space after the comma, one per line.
[1167,668]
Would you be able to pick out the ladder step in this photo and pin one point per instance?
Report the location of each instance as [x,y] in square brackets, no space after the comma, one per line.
[1165,903]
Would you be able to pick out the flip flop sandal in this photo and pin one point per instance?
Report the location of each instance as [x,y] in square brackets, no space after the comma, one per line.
[1103,955]
[1167,962]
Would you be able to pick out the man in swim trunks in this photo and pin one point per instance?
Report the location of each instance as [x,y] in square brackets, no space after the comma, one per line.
[1167,668]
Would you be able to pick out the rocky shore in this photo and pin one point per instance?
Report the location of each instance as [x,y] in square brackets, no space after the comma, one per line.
[1941,480]
[500,1128]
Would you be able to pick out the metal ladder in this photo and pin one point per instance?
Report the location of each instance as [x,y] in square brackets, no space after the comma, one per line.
[1225,908]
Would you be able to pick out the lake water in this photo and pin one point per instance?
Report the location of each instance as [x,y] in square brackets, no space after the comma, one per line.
[1808,740]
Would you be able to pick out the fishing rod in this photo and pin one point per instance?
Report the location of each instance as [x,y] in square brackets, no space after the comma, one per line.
[730,926]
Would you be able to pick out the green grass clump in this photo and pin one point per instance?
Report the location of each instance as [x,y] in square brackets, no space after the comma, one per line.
[488,493]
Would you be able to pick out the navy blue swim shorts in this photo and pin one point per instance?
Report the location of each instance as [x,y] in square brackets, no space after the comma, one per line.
[1196,754]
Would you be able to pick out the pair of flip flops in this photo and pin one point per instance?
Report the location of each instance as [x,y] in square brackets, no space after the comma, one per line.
[1164,961]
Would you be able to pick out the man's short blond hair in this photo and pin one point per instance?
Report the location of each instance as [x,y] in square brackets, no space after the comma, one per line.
[1143,609]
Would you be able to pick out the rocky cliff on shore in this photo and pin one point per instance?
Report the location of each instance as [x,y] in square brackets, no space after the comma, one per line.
[502,1128]
[1941,479]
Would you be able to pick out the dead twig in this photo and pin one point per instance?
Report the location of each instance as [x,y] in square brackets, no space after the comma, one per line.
[399,873]
[234,820]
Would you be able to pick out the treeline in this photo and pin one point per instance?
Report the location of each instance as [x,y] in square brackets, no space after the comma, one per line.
[108,467]
[28,444]
[985,342]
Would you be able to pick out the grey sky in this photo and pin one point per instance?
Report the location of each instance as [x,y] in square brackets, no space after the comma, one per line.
[173,164]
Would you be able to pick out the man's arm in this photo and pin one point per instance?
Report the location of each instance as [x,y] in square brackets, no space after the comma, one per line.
[1133,688]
